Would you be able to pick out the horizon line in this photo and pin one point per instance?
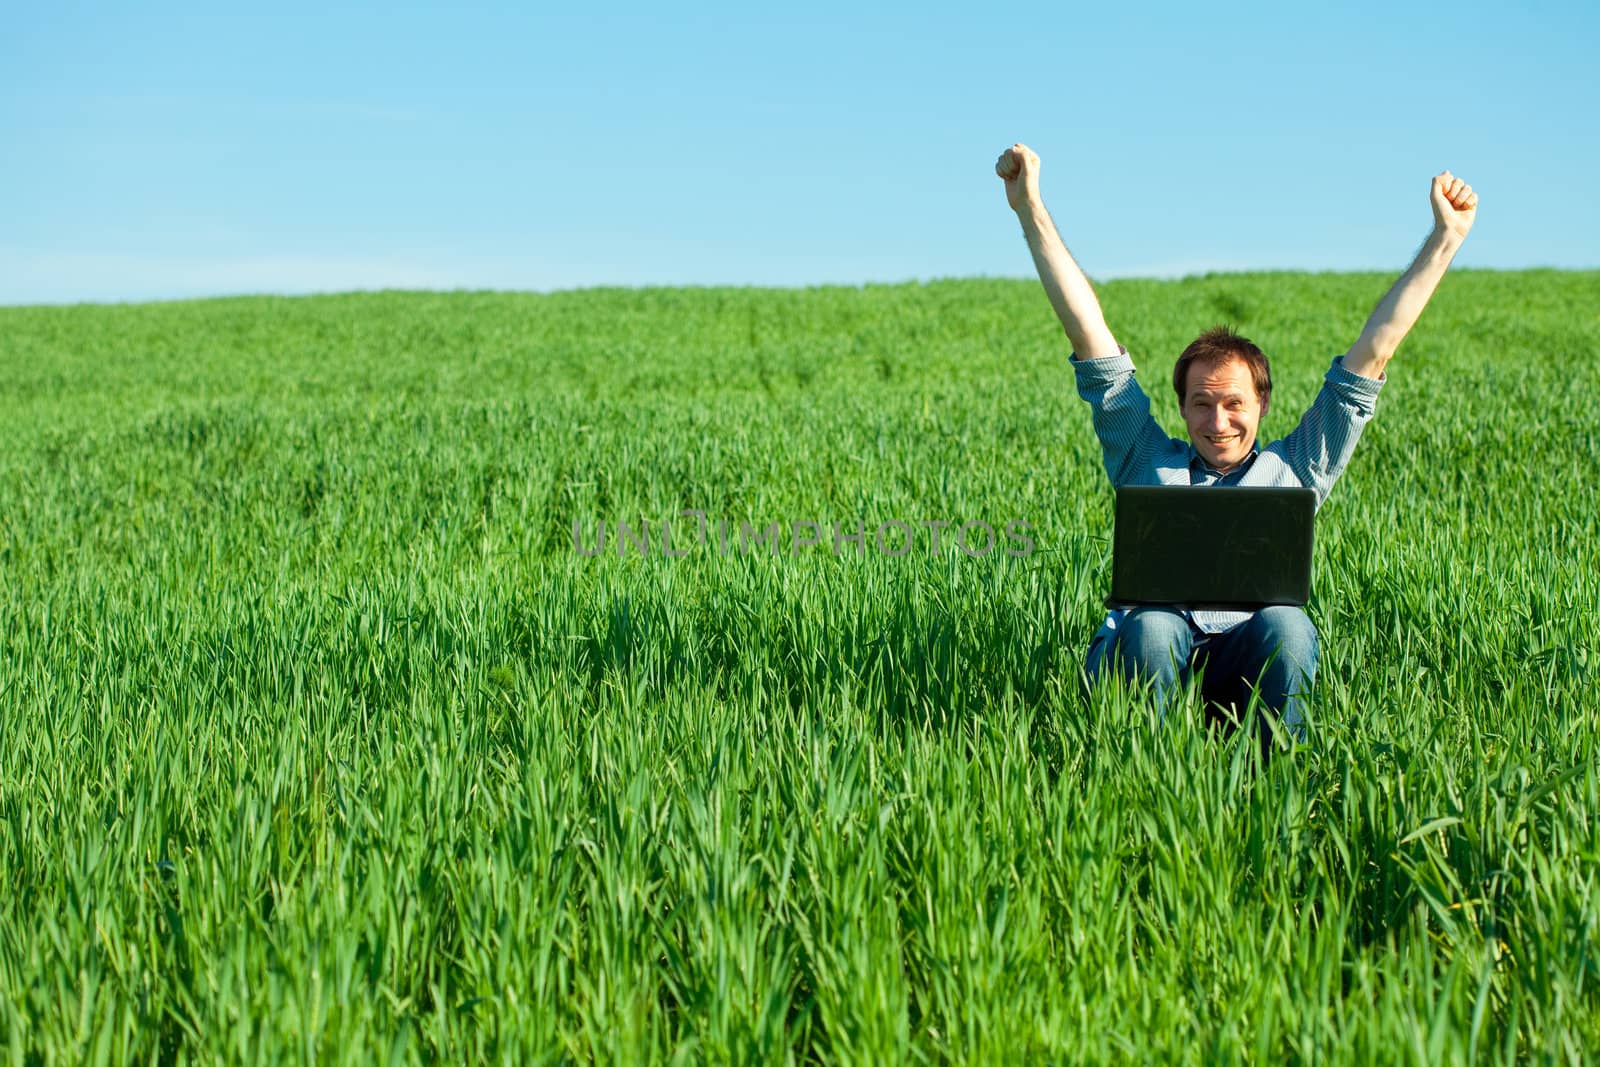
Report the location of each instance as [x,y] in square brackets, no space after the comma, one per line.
[1153,275]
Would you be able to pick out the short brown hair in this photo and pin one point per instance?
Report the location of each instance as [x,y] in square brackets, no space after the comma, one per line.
[1218,345]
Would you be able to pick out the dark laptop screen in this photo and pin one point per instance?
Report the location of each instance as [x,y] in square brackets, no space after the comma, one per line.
[1201,547]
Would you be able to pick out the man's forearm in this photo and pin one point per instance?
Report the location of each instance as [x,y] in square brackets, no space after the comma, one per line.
[1400,308]
[1066,285]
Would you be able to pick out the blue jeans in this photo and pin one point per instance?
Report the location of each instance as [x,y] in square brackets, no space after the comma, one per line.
[1274,653]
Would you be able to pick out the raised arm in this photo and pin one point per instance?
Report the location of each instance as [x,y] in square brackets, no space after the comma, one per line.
[1069,290]
[1455,207]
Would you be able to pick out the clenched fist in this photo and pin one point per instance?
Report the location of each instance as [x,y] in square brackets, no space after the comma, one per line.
[1019,166]
[1455,205]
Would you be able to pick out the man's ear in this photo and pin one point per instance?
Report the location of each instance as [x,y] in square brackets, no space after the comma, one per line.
[1265,403]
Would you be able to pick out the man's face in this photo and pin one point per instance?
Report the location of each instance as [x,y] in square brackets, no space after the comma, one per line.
[1222,410]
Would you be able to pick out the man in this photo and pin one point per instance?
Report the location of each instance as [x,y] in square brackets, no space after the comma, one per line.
[1224,386]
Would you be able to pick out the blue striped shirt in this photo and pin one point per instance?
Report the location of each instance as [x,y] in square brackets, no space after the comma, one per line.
[1138,452]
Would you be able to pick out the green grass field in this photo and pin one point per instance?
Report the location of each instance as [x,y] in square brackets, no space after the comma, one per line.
[319,741]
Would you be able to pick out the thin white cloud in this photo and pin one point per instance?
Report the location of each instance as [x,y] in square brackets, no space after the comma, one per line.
[72,277]
[1178,268]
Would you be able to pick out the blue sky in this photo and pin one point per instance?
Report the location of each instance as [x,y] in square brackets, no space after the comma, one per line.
[155,151]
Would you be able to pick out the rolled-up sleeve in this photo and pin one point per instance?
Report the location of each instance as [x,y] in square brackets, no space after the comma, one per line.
[1320,447]
[1128,435]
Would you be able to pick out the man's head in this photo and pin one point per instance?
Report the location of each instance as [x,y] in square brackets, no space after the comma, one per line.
[1223,385]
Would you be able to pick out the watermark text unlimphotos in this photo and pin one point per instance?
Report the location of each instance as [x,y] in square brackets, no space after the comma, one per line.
[691,533]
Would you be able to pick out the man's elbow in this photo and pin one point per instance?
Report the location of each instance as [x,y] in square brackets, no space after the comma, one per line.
[1370,356]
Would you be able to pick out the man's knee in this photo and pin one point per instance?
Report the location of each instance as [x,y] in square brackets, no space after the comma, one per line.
[1287,634]
[1154,625]
[1153,643]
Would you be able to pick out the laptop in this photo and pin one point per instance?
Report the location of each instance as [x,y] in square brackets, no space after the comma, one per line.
[1236,548]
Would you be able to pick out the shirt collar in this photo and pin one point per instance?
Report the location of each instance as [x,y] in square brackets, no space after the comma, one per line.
[1244,464]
